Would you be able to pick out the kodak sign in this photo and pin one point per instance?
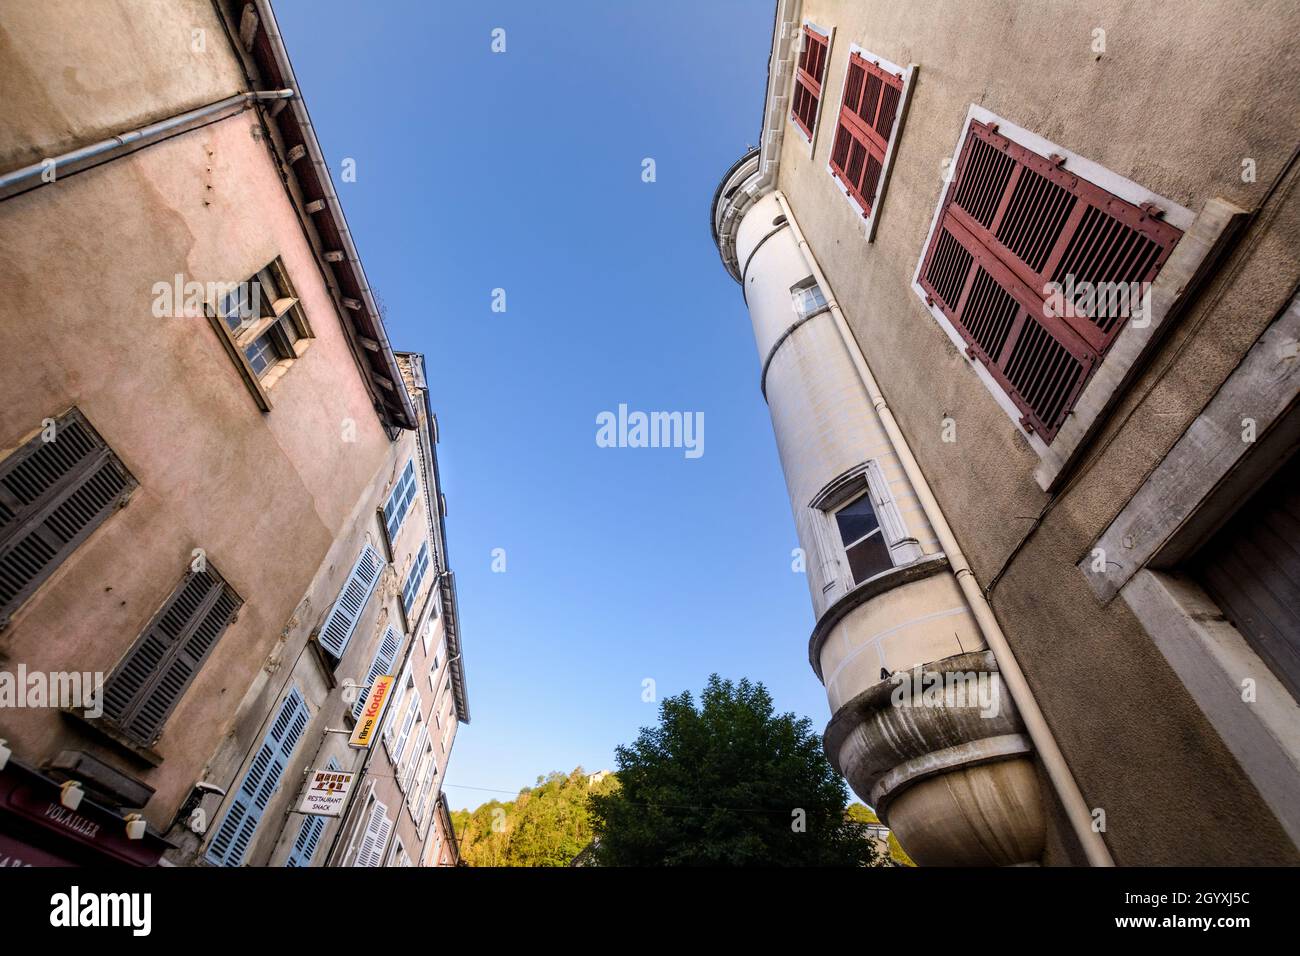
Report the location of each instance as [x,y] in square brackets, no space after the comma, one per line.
[368,723]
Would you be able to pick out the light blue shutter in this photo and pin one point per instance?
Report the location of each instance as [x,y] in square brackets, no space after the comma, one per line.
[381,665]
[304,848]
[399,502]
[342,618]
[235,834]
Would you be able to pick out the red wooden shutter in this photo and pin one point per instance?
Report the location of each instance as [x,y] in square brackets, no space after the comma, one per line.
[867,115]
[808,80]
[1012,222]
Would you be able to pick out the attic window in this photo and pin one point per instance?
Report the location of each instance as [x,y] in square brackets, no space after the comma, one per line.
[263,328]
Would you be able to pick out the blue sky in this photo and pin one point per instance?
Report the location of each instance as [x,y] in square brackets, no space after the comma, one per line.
[522,171]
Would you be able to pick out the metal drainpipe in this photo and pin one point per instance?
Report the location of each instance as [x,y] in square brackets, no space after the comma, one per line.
[1058,771]
[152,131]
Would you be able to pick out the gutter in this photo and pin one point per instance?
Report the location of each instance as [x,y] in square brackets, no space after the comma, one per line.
[446,576]
[78,159]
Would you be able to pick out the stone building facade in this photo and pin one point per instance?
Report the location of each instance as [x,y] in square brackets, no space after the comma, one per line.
[219,482]
[1026,323]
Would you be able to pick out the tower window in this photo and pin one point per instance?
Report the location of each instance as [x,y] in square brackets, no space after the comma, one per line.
[863,540]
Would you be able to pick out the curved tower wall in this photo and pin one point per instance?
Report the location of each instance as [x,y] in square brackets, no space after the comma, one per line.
[951,773]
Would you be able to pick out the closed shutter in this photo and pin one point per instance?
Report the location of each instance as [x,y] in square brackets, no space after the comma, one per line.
[867,115]
[808,80]
[415,577]
[342,619]
[413,756]
[1252,570]
[1012,222]
[378,827]
[430,777]
[235,834]
[147,684]
[382,664]
[309,834]
[53,494]
[399,502]
[412,711]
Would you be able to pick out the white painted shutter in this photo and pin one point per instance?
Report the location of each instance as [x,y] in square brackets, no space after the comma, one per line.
[342,619]
[235,834]
[382,664]
[378,827]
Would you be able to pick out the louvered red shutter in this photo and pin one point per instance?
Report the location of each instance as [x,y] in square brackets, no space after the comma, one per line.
[146,686]
[868,113]
[808,80]
[1013,221]
[53,494]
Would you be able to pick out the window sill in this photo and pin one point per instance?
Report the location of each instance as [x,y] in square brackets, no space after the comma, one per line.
[1189,266]
[1212,660]
[924,567]
[100,727]
[258,387]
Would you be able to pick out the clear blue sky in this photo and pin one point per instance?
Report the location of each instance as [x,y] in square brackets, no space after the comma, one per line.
[522,171]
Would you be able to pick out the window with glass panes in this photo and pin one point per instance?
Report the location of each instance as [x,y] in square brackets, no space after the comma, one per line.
[264,319]
[864,542]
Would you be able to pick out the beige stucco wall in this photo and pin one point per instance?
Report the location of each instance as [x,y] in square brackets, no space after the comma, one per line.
[1183,93]
[264,494]
[77,71]
[292,663]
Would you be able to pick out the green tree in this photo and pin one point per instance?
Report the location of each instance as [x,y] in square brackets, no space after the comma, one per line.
[860,813]
[545,825]
[728,782]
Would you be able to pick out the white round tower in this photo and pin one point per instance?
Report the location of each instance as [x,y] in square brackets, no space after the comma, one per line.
[921,725]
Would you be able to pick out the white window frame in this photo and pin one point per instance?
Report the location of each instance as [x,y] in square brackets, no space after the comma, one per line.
[410,722]
[867,478]
[829,34]
[801,288]
[904,99]
[436,665]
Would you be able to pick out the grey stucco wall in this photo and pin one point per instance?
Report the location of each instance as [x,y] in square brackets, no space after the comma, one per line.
[1181,96]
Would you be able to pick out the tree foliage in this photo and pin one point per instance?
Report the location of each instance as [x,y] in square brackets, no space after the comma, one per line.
[546,825]
[728,782]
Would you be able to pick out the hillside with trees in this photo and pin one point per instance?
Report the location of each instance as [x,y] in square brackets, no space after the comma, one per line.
[545,825]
